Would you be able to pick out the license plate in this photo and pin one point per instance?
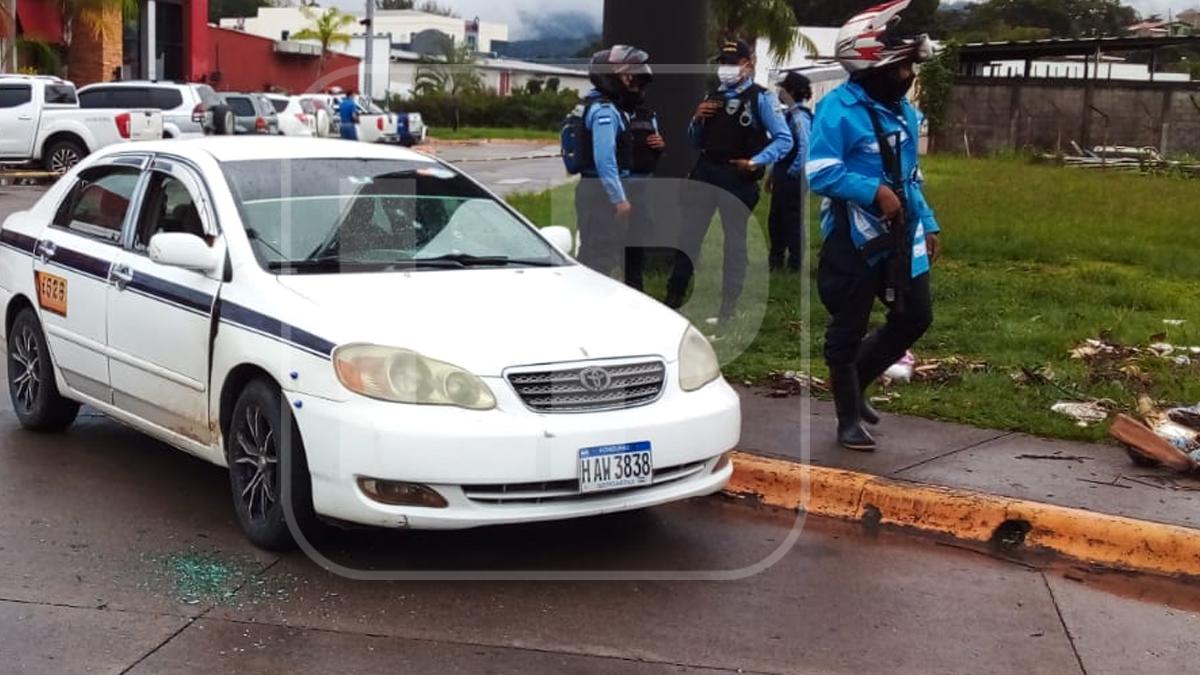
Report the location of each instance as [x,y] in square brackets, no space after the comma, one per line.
[52,293]
[614,467]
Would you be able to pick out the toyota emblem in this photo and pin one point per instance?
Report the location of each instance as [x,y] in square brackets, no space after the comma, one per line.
[595,379]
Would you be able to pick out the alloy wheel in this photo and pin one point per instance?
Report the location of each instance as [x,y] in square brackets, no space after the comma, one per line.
[63,160]
[25,369]
[257,461]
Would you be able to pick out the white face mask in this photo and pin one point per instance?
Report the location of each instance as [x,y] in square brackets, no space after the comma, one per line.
[729,75]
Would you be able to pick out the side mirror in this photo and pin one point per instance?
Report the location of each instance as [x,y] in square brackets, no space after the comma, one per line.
[179,249]
[561,238]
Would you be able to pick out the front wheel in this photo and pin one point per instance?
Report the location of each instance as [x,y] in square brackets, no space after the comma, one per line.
[31,385]
[260,433]
[62,155]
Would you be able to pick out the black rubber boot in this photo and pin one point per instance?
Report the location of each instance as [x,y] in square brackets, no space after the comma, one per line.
[847,397]
[876,355]
[868,412]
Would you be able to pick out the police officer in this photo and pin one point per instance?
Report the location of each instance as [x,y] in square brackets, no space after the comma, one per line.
[348,114]
[740,131]
[879,233]
[603,208]
[788,184]
[648,148]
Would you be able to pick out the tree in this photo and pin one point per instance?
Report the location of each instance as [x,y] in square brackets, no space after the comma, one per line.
[393,4]
[435,7]
[327,29]
[749,20]
[8,34]
[1059,18]
[451,73]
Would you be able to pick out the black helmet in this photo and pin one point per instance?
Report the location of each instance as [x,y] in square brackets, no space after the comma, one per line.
[619,60]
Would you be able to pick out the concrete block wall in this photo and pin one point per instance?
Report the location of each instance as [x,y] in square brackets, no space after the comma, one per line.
[993,115]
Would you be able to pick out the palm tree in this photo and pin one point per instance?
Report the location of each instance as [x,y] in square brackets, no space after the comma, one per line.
[452,73]
[8,35]
[328,29]
[751,19]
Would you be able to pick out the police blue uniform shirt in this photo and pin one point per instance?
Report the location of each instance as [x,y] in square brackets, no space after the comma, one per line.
[606,123]
[770,118]
[844,163]
[801,119]
[346,109]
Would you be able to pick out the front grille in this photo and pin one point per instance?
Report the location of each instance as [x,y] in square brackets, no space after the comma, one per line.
[567,490]
[571,390]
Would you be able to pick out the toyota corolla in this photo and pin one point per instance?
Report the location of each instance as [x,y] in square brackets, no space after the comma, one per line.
[412,349]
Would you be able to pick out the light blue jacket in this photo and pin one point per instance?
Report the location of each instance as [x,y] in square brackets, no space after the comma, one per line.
[772,120]
[606,122]
[844,163]
[801,120]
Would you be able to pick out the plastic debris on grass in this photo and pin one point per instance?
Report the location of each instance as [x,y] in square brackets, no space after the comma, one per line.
[1085,414]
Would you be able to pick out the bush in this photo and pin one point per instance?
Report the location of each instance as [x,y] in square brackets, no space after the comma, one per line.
[542,110]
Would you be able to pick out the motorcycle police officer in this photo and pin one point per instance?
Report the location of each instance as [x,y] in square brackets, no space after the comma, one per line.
[603,208]
[787,184]
[740,131]
[879,233]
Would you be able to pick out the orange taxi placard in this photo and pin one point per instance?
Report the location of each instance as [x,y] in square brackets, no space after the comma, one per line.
[52,292]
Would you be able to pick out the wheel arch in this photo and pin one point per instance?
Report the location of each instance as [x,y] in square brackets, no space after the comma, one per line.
[65,135]
[18,303]
[235,381]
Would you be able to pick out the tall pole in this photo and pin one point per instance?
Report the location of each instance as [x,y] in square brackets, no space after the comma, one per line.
[369,57]
[675,34]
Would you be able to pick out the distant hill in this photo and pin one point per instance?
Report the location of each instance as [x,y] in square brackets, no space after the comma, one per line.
[545,48]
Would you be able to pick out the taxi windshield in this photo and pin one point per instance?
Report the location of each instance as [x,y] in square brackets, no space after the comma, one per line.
[328,216]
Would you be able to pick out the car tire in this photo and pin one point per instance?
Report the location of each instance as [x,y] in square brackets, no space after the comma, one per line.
[31,384]
[223,123]
[260,431]
[62,155]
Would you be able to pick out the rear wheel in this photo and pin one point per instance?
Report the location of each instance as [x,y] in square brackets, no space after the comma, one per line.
[62,155]
[260,435]
[31,385]
[223,124]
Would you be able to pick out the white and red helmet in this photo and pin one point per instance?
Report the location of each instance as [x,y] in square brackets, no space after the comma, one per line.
[869,40]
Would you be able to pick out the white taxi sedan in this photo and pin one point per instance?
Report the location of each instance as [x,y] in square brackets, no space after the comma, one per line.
[408,346]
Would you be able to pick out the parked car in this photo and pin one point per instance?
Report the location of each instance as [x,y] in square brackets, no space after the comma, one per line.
[40,121]
[417,128]
[189,110]
[252,113]
[326,118]
[297,116]
[185,290]
[375,125]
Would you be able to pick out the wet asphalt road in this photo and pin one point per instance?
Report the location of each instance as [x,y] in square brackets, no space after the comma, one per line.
[118,554]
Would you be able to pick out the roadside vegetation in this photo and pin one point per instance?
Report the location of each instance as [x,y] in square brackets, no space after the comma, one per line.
[492,134]
[1039,259]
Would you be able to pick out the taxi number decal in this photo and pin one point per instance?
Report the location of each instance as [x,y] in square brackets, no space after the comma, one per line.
[52,292]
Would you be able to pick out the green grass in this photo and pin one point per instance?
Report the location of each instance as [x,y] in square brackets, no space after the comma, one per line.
[489,133]
[1037,259]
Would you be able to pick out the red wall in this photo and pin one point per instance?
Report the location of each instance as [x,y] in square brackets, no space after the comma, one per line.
[249,63]
[195,40]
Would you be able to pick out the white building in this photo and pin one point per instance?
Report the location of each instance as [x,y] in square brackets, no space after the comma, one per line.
[821,68]
[402,24]
[1110,68]
[504,76]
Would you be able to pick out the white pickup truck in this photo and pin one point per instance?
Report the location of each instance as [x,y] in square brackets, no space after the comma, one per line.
[40,121]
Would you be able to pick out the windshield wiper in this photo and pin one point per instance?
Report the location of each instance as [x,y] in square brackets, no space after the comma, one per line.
[467,260]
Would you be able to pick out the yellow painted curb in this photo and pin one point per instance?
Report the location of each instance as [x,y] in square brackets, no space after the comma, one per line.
[1111,541]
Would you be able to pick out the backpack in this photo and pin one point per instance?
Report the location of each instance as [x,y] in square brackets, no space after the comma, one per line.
[576,140]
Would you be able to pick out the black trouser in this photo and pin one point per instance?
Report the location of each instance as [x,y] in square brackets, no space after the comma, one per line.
[601,233]
[641,225]
[788,217]
[848,288]
[735,200]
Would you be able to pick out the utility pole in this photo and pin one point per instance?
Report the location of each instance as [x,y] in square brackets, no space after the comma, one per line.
[675,34]
[369,57]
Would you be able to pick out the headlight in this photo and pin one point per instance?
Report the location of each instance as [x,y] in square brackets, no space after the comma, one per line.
[404,376]
[698,363]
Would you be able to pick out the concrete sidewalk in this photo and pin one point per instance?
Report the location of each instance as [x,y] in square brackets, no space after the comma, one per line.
[1091,477]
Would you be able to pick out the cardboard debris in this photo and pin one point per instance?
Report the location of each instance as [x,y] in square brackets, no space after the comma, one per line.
[1143,443]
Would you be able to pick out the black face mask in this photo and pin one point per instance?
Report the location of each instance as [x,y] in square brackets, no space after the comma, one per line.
[631,100]
[886,86]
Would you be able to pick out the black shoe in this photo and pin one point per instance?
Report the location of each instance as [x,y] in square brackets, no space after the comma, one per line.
[847,397]
[868,412]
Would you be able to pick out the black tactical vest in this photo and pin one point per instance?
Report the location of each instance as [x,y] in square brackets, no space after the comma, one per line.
[736,131]
[644,161]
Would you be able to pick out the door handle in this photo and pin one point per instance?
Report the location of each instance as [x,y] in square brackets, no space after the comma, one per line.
[45,250]
[25,118]
[120,276]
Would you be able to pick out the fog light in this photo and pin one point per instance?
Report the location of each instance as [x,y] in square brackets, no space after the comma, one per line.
[401,494]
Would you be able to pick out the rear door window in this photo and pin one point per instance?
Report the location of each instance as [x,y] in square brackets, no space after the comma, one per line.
[96,98]
[131,97]
[97,205]
[60,94]
[166,99]
[13,95]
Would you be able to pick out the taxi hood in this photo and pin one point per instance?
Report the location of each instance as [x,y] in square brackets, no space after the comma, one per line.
[486,320]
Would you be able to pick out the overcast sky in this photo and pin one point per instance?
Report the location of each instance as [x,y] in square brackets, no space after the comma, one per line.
[510,11]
